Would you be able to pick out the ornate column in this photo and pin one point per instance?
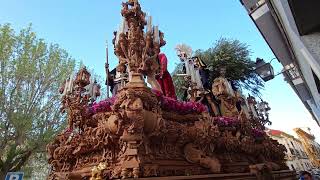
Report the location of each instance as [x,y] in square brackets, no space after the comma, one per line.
[136,106]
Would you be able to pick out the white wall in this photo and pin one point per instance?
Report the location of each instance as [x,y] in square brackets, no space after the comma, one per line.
[306,61]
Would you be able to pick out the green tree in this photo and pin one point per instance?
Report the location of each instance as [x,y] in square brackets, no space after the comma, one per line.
[178,81]
[31,72]
[235,57]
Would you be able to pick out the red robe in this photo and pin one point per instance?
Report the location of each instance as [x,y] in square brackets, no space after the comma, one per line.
[164,79]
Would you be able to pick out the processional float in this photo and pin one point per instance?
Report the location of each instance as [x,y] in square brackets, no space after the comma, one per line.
[139,132]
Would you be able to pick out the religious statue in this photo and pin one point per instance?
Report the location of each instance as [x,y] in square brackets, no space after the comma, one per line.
[118,77]
[164,78]
[207,97]
[191,87]
[222,89]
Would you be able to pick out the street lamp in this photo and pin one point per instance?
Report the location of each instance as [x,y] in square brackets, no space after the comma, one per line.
[264,70]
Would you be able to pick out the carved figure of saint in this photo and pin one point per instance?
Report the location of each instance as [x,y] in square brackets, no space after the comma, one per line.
[221,88]
[164,78]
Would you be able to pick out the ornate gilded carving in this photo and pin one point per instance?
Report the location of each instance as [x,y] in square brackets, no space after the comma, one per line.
[140,133]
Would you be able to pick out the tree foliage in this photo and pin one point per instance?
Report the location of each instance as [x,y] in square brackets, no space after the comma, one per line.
[235,57]
[31,72]
[179,82]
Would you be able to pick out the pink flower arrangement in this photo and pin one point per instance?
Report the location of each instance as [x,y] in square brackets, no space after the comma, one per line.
[166,103]
[258,133]
[226,121]
[181,107]
[102,106]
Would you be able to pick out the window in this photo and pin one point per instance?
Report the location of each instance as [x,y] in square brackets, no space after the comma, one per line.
[306,15]
[292,151]
[291,143]
[317,81]
[292,167]
[292,71]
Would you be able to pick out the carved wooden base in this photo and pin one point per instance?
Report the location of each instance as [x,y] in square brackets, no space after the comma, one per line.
[279,175]
[139,139]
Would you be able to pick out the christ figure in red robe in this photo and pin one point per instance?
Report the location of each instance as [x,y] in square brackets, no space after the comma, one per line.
[164,78]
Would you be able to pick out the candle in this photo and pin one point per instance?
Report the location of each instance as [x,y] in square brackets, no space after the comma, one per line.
[117,36]
[90,88]
[70,84]
[126,27]
[65,87]
[120,30]
[149,24]
[94,91]
[156,34]
[122,25]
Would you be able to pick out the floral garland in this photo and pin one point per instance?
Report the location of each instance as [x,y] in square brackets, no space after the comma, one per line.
[166,103]
[102,106]
[258,133]
[226,121]
[180,107]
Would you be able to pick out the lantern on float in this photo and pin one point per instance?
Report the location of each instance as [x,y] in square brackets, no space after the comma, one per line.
[83,77]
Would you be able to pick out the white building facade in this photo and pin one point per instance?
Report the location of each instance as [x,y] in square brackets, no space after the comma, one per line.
[296,157]
[292,30]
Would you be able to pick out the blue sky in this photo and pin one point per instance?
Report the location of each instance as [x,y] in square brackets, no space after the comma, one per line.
[82,28]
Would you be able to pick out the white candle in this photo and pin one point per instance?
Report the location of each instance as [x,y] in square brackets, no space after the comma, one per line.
[70,84]
[120,30]
[149,24]
[94,91]
[122,25]
[156,34]
[90,88]
[117,36]
[126,27]
[65,87]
